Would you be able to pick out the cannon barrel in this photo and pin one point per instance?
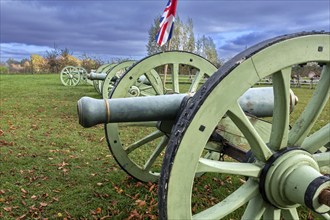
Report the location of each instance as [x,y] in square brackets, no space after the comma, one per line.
[152,108]
[256,101]
[143,79]
[96,76]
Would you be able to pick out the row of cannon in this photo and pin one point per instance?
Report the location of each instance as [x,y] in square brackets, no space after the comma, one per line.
[221,124]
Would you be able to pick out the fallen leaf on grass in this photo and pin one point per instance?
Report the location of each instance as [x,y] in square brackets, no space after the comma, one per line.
[22,217]
[5,143]
[23,202]
[34,197]
[140,203]
[43,204]
[152,187]
[98,210]
[8,209]
[23,191]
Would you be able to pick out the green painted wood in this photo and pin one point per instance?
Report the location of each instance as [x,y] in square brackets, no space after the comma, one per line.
[98,84]
[318,139]
[312,111]
[279,136]
[129,86]
[197,124]
[70,76]
[117,71]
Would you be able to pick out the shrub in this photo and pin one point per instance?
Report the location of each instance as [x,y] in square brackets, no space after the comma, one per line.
[4,69]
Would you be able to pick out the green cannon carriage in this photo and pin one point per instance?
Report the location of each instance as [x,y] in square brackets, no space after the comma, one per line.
[281,162]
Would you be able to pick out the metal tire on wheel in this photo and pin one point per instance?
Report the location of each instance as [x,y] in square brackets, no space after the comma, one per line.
[70,76]
[284,172]
[142,157]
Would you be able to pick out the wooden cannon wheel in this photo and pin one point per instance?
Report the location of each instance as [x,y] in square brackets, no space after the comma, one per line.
[283,172]
[138,147]
[83,75]
[115,71]
[98,84]
[70,76]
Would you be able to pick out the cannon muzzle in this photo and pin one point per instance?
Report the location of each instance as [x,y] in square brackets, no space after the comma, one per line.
[256,101]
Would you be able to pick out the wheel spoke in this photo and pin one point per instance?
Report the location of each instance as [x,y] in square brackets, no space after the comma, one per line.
[326,216]
[160,147]
[317,139]
[272,213]
[75,80]
[143,93]
[144,140]
[279,133]
[290,214]
[258,146]
[235,200]
[312,111]
[255,208]
[66,80]
[151,77]
[175,78]
[145,88]
[244,169]
[322,159]
[198,77]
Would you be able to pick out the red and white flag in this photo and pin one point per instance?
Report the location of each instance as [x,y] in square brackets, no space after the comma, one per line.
[167,23]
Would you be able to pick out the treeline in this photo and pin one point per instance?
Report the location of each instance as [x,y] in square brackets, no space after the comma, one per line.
[183,38]
[53,62]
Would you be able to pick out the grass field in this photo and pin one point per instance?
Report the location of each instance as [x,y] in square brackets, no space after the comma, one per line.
[51,167]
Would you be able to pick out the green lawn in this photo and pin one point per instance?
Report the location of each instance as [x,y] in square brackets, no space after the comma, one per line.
[51,167]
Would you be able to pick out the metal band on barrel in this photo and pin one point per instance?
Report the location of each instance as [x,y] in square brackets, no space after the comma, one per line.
[107,109]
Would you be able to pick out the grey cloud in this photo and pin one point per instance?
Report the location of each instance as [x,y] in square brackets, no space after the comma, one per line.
[120,28]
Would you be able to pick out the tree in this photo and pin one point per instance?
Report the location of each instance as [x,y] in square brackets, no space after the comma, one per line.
[39,64]
[152,46]
[206,48]
[90,63]
[182,37]
[53,62]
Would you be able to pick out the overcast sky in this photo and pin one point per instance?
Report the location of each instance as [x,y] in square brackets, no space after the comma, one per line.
[111,29]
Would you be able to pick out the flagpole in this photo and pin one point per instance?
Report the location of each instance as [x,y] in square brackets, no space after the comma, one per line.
[166,66]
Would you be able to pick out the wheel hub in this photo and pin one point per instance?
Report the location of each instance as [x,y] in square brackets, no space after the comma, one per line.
[291,177]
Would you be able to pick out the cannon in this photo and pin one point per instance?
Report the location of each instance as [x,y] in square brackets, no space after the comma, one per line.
[108,74]
[71,75]
[279,163]
[147,137]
